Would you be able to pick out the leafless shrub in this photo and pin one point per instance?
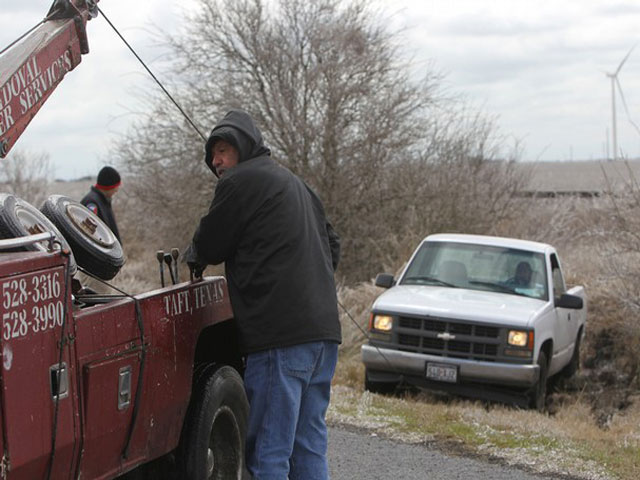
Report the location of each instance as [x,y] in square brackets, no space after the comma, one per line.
[26,175]
[619,241]
[458,181]
[355,306]
[326,81]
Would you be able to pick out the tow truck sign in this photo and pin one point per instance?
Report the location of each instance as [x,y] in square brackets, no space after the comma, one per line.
[32,304]
[187,301]
[25,86]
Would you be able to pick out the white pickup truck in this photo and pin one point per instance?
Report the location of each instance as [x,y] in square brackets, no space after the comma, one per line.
[478,316]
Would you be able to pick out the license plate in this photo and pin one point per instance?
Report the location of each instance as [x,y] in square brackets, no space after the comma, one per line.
[442,372]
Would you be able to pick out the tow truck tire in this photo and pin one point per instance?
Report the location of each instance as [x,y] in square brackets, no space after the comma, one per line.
[538,395]
[94,245]
[215,428]
[19,218]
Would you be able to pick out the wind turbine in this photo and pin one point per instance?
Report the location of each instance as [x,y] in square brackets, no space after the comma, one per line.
[614,81]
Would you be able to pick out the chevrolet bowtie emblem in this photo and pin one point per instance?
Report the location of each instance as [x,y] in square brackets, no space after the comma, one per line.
[446,336]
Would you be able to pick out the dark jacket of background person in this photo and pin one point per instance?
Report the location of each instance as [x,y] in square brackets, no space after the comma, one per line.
[279,250]
[103,208]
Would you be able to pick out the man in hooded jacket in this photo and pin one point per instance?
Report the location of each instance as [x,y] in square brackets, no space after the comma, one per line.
[280,253]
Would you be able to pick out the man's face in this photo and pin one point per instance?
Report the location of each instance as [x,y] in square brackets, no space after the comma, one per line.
[225,156]
[110,193]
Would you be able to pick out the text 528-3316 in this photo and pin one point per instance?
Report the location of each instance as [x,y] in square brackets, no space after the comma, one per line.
[31,303]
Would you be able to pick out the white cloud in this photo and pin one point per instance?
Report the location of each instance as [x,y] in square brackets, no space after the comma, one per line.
[539,66]
[91,105]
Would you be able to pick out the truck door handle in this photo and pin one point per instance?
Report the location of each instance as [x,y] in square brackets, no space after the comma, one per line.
[59,380]
[124,387]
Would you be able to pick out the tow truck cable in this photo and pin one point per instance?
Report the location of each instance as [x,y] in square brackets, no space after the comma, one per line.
[63,342]
[368,337]
[204,138]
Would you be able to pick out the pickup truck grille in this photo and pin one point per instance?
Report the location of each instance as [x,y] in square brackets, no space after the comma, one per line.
[473,342]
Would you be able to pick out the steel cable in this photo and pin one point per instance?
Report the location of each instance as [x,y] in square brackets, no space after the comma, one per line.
[153,76]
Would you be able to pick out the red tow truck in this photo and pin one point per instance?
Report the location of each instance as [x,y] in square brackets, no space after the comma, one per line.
[97,386]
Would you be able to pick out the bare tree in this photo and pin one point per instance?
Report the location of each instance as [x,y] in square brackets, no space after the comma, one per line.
[26,175]
[333,93]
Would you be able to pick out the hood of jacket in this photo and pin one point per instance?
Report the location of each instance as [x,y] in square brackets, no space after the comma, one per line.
[238,128]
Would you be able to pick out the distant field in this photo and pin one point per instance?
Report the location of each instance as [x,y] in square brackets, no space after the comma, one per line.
[581,176]
[576,176]
[75,189]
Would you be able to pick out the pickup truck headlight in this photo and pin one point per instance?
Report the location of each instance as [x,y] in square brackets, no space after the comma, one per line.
[383,323]
[518,338]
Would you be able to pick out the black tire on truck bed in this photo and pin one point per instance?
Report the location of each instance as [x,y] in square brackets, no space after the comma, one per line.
[19,218]
[94,245]
[215,427]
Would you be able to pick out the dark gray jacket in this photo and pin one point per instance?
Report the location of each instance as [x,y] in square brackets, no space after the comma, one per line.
[96,201]
[279,250]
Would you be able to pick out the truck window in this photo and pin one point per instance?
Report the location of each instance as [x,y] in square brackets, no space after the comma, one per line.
[479,267]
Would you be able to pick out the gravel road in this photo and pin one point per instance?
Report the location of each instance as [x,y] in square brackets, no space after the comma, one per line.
[361,456]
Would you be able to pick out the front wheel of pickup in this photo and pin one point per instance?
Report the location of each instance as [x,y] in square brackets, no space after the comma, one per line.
[384,388]
[538,395]
[574,365]
[215,428]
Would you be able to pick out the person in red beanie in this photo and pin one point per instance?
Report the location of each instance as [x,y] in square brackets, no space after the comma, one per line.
[98,200]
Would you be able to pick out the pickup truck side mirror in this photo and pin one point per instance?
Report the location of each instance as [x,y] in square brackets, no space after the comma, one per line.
[569,301]
[385,280]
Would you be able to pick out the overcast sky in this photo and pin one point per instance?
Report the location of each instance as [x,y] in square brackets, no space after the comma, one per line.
[538,66]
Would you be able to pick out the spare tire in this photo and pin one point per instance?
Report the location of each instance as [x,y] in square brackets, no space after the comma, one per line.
[94,245]
[19,218]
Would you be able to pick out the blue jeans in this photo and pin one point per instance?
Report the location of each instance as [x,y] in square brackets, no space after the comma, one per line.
[288,390]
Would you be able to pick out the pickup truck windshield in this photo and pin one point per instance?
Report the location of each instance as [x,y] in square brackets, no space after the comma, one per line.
[479,267]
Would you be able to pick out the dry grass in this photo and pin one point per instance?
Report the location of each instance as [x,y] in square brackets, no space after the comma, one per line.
[569,442]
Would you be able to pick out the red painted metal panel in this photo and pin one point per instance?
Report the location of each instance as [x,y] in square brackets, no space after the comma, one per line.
[107,427]
[102,327]
[178,316]
[21,262]
[2,432]
[108,339]
[32,318]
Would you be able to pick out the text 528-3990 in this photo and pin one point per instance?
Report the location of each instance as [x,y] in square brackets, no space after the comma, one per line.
[32,303]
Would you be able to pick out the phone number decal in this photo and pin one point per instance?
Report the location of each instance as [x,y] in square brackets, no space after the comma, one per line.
[31,304]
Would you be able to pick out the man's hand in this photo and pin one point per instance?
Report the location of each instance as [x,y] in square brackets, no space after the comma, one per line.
[196,270]
[196,267]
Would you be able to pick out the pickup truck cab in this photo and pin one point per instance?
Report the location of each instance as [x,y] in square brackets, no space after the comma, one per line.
[479,316]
